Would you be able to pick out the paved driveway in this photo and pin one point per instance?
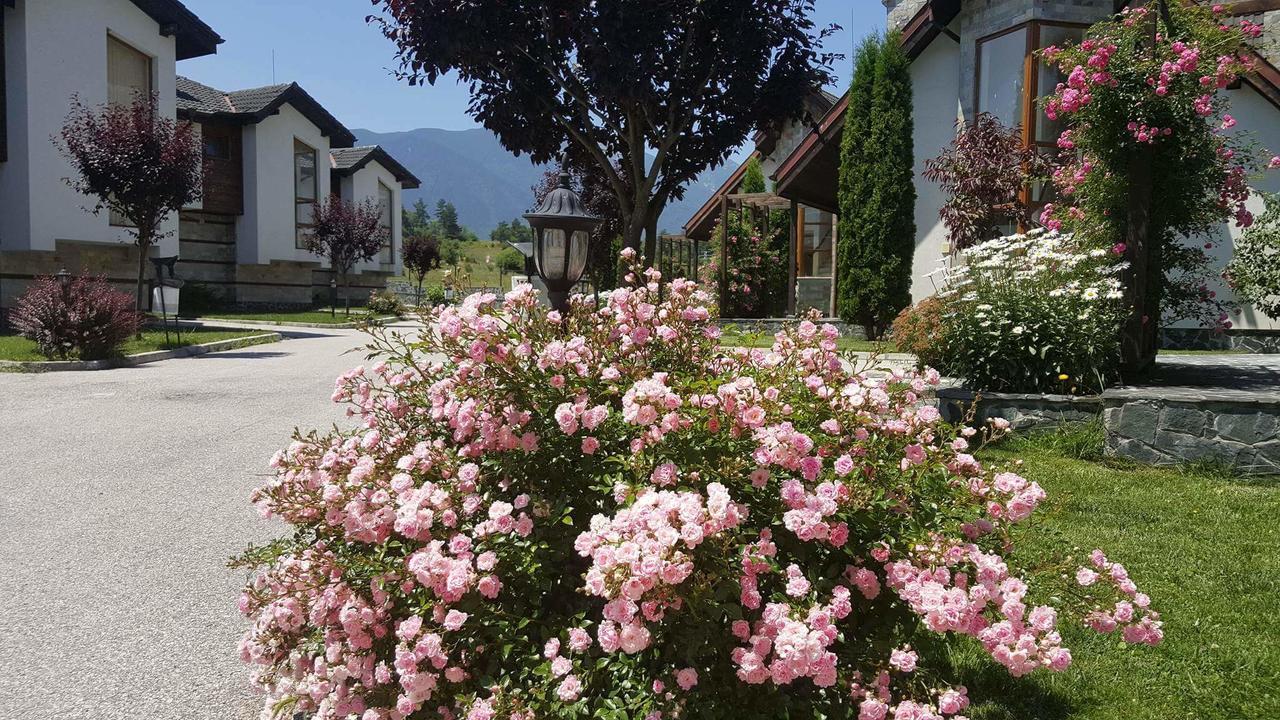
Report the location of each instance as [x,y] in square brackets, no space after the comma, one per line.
[123,493]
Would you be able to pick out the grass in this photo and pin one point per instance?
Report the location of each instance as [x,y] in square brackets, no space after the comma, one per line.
[15,347]
[1203,543]
[319,316]
[479,261]
[734,338]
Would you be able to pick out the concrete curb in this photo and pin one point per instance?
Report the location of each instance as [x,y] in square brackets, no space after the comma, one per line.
[139,359]
[210,322]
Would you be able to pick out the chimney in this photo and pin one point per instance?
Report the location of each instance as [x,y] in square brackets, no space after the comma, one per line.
[901,12]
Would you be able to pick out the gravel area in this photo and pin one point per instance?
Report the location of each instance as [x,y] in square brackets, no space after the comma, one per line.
[125,491]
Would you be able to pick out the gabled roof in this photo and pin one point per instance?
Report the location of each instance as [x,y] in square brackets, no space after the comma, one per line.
[705,218]
[809,173]
[197,101]
[192,37]
[348,161]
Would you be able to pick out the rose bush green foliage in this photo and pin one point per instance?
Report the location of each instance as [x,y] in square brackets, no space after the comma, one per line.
[384,302]
[1033,313]
[877,194]
[756,269]
[87,321]
[1254,271]
[1131,103]
[919,330]
[607,515]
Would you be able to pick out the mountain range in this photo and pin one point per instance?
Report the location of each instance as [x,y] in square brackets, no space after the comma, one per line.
[488,184]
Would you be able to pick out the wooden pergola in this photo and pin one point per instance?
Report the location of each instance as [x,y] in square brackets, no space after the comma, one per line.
[759,207]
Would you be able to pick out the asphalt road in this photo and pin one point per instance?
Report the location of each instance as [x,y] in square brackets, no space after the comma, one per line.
[122,494]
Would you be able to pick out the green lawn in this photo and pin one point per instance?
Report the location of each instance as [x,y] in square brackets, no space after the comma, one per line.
[322,316]
[479,261]
[1204,545]
[731,338]
[15,347]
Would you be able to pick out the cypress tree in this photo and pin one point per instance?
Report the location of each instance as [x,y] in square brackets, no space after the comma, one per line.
[753,177]
[877,195]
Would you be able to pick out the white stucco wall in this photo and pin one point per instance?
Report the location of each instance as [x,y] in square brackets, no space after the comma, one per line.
[935,78]
[363,185]
[55,49]
[266,231]
[1260,121]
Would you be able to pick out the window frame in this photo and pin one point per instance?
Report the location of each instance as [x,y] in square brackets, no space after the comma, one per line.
[115,219]
[299,200]
[1030,86]
[804,257]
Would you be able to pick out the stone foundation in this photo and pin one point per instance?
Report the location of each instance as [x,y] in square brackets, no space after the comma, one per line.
[1023,411]
[1243,435]
[117,262]
[1265,342]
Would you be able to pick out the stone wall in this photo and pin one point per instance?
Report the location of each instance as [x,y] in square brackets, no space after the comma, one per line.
[1263,342]
[117,262]
[207,252]
[1244,434]
[1023,411]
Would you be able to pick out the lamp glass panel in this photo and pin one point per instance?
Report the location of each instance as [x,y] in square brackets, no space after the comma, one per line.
[578,254]
[551,255]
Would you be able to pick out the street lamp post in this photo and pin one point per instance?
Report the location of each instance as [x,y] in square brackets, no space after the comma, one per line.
[64,281]
[562,229]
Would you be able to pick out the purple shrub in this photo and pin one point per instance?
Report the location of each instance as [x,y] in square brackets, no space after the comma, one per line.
[86,321]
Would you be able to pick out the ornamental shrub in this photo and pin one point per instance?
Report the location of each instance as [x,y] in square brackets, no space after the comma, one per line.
[919,330]
[384,302]
[87,321]
[606,515]
[1033,313]
[1148,115]
[877,194]
[1254,271]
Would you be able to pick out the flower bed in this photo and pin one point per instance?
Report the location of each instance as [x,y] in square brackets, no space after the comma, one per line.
[606,515]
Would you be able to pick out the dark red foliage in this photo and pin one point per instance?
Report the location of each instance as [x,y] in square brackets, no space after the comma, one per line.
[346,233]
[86,321]
[983,173]
[420,254]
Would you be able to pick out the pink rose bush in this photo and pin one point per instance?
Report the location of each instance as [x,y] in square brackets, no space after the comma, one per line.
[749,533]
[1131,104]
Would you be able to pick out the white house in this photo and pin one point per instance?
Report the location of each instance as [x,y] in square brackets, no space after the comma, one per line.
[101,51]
[971,57]
[271,153]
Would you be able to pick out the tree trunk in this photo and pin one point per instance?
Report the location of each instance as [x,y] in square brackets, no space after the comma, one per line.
[651,238]
[1138,336]
[346,296]
[144,244]
[633,233]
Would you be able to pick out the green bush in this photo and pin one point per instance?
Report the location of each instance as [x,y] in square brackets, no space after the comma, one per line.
[385,302]
[1254,272]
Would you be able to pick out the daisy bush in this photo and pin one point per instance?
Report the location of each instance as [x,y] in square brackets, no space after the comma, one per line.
[606,515]
[1033,313]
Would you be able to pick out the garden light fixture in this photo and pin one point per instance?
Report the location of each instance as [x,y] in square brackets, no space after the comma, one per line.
[64,281]
[561,237]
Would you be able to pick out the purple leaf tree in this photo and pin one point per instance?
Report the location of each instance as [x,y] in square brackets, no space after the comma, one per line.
[346,233]
[134,163]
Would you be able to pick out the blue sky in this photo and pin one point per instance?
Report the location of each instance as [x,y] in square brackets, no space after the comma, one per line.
[346,64]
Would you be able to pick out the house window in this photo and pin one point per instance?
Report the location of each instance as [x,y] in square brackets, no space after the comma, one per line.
[305,189]
[1011,80]
[128,73]
[385,204]
[217,147]
[128,80]
[815,251]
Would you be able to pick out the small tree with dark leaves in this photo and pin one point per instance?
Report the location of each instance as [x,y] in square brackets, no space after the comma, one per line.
[420,255]
[346,233]
[134,163]
[983,174]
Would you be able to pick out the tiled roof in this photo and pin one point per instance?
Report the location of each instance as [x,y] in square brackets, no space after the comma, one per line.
[200,102]
[347,161]
[192,37]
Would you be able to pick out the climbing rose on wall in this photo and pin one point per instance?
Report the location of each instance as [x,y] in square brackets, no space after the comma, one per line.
[1144,92]
[605,514]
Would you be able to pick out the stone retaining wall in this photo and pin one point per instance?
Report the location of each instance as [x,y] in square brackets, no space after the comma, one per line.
[1244,434]
[1023,411]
